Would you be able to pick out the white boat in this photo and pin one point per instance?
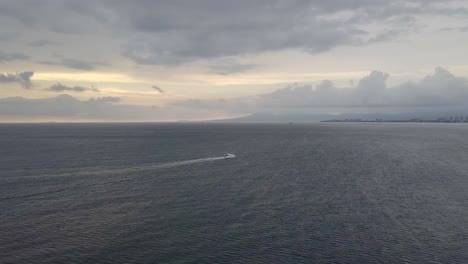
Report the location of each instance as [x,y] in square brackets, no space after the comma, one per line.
[229,156]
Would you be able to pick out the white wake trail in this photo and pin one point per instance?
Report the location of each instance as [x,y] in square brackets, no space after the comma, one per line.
[143,167]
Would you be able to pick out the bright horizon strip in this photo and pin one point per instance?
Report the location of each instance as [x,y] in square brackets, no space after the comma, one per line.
[208,79]
[267,78]
[88,77]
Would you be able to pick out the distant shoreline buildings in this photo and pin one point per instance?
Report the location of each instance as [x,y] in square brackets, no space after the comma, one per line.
[450,119]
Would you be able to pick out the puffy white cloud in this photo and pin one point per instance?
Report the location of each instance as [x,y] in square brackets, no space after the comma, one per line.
[438,89]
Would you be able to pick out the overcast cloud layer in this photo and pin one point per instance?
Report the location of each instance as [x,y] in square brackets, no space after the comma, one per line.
[172,32]
[209,58]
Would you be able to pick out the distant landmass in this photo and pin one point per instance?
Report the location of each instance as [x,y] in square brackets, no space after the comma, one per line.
[402,117]
[278,118]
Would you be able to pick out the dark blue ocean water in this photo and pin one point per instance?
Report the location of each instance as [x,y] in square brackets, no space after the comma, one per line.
[302,193]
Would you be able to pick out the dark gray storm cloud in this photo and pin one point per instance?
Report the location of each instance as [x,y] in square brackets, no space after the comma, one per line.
[58,87]
[189,30]
[173,32]
[22,78]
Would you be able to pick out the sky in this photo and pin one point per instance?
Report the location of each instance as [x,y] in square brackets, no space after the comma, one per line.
[116,60]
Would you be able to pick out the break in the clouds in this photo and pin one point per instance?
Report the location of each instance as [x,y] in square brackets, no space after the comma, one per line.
[22,78]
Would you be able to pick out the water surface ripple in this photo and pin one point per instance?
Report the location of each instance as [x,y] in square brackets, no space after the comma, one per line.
[302,193]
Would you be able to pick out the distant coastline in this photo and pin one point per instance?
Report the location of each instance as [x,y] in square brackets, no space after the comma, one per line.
[457,119]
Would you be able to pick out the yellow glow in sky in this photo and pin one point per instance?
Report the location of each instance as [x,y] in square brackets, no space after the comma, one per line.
[85,76]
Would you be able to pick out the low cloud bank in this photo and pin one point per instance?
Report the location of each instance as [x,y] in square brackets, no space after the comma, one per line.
[435,94]
[67,106]
[439,91]
[108,108]
[22,78]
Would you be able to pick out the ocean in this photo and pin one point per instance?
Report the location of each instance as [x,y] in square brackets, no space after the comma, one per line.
[295,193]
